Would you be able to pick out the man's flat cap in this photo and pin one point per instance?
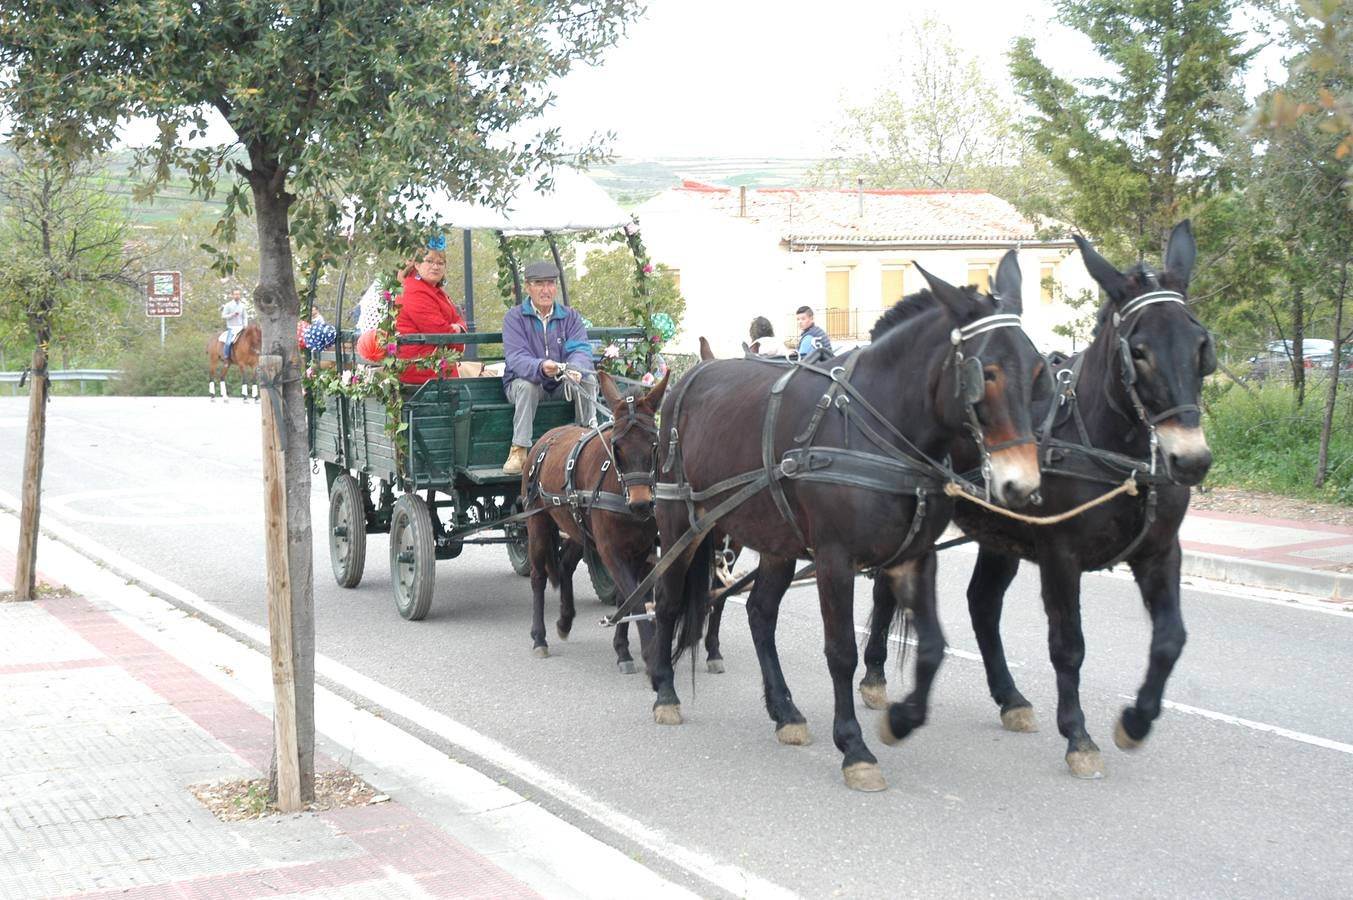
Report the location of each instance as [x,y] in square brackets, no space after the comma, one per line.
[540,270]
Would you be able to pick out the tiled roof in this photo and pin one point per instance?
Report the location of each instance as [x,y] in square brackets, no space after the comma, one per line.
[825,215]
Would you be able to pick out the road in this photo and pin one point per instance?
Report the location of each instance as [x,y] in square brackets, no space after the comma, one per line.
[1241,791]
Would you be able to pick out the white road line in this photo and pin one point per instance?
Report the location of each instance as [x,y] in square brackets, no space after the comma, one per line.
[1288,733]
[731,878]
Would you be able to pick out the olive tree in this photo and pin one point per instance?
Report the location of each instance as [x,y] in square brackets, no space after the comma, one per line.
[333,106]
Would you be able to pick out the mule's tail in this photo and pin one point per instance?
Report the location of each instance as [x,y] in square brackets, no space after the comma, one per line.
[696,590]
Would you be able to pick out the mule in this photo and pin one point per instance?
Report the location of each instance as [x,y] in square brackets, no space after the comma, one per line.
[594,485]
[1129,403]
[243,355]
[840,464]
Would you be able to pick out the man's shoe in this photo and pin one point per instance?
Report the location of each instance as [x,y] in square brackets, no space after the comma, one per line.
[516,460]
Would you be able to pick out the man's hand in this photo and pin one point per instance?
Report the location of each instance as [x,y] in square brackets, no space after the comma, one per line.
[574,376]
[550,367]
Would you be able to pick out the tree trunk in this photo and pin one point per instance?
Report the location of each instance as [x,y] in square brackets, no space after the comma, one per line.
[1298,341]
[26,568]
[278,305]
[1332,394]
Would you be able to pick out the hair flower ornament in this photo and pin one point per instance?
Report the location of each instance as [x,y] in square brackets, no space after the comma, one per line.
[437,242]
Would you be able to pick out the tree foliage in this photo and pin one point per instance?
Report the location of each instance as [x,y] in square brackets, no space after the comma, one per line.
[1141,147]
[948,125]
[605,294]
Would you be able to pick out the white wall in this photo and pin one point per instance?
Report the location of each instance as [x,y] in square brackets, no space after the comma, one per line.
[734,269]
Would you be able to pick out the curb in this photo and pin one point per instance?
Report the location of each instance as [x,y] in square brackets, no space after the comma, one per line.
[1332,587]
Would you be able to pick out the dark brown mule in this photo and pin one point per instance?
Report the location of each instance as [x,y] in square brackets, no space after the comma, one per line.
[243,355]
[840,461]
[595,486]
[1129,403]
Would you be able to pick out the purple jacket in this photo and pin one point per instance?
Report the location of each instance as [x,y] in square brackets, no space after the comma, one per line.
[527,343]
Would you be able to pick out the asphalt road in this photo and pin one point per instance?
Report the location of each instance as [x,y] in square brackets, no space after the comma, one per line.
[1242,790]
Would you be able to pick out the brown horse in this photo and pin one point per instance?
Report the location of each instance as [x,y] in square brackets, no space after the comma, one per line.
[243,355]
[595,486]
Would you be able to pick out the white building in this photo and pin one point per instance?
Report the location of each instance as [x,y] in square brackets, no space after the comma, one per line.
[849,255]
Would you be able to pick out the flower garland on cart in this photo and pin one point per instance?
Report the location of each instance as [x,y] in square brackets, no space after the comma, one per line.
[375,371]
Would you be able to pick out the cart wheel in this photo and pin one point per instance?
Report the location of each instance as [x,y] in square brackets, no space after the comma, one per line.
[601,579]
[412,557]
[347,531]
[517,552]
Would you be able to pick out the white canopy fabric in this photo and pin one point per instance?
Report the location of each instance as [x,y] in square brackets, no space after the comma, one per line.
[576,203]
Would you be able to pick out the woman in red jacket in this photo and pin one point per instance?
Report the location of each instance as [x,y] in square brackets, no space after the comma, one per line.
[424,308]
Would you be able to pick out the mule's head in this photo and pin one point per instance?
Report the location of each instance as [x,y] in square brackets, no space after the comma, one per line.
[634,439]
[1156,352]
[991,378]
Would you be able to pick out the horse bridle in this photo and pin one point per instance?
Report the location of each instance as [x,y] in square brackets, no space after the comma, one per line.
[621,427]
[970,384]
[1128,368]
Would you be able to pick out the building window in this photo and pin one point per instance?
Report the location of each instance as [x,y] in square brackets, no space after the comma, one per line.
[1046,276]
[979,275]
[837,310]
[675,275]
[893,285]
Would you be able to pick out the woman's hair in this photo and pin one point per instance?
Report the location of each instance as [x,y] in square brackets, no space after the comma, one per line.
[408,267]
[761,328]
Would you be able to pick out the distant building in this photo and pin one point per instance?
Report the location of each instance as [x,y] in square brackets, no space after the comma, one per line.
[741,253]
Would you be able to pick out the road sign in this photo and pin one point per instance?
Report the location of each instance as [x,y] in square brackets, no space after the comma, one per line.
[164,294]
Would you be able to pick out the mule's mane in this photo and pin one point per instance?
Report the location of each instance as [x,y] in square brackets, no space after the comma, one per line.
[911,307]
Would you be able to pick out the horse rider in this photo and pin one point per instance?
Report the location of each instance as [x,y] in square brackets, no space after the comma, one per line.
[236,317]
[547,349]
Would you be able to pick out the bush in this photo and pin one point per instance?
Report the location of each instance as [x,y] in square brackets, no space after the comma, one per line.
[1263,441]
[178,369]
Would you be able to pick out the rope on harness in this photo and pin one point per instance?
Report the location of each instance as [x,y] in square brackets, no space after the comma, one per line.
[1129,487]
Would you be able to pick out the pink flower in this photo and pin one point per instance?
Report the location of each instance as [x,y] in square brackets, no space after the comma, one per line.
[631,228]
[648,269]
[390,349]
[442,366]
[657,338]
[611,352]
[385,295]
[647,379]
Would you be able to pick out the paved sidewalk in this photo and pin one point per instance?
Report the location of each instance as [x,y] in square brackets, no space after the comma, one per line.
[1308,558]
[113,703]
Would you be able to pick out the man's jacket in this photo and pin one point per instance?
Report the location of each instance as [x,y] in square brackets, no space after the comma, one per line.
[528,342]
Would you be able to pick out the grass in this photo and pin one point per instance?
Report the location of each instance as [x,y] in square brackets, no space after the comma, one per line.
[1264,441]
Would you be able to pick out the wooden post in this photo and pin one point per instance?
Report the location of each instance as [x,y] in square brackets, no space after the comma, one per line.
[26,567]
[279,591]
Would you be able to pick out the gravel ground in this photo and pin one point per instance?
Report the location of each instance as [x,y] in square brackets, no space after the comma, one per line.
[1257,503]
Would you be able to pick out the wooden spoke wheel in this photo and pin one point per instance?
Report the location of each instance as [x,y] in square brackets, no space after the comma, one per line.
[601,579]
[517,551]
[347,531]
[412,557]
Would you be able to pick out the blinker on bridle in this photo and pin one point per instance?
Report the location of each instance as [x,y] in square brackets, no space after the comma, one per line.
[970,385]
[618,430]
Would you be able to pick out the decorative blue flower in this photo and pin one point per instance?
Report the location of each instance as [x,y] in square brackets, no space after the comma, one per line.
[437,242]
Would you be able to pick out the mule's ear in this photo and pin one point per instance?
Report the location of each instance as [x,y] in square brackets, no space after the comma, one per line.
[608,388]
[1102,271]
[1180,254]
[653,399]
[1009,284]
[705,351]
[960,305]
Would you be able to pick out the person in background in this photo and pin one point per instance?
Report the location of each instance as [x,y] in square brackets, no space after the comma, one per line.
[236,317]
[424,308]
[811,337]
[546,349]
[763,338]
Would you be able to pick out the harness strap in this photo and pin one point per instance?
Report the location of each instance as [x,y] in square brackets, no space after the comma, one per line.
[768,453]
[699,528]
[1147,521]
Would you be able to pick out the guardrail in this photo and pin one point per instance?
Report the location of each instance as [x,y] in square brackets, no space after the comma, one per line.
[80,375]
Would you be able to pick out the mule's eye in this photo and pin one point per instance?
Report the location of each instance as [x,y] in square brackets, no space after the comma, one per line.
[989,375]
[1139,353]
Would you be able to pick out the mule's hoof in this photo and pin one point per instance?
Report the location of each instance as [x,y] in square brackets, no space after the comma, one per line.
[1124,740]
[1021,719]
[669,714]
[541,652]
[875,694]
[714,666]
[795,734]
[626,666]
[562,630]
[886,729]
[1087,764]
[863,776]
